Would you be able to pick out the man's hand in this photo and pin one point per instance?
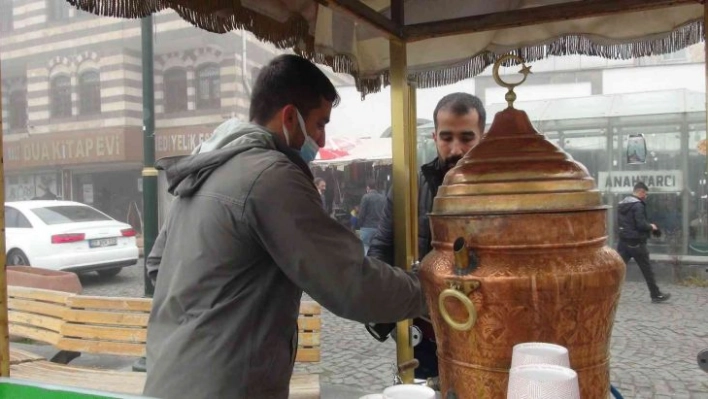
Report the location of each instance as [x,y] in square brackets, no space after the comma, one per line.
[380,331]
[653,226]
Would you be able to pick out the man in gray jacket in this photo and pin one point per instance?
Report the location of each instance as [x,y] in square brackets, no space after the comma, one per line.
[245,236]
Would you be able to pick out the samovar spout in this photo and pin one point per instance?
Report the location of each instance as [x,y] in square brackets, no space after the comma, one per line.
[465,261]
[462,257]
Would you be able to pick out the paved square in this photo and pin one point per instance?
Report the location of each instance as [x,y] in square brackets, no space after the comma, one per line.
[654,348]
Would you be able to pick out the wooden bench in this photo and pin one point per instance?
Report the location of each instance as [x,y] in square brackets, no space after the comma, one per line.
[76,324]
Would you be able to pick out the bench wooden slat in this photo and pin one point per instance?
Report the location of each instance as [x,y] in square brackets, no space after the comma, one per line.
[49,323]
[104,347]
[106,318]
[18,356]
[310,308]
[308,339]
[306,355]
[31,306]
[104,380]
[302,386]
[37,334]
[116,326]
[309,324]
[87,331]
[38,294]
[110,303]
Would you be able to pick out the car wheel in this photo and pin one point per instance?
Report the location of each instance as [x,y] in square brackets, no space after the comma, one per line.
[109,272]
[17,258]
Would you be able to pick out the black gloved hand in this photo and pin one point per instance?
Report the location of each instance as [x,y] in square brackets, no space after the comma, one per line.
[380,331]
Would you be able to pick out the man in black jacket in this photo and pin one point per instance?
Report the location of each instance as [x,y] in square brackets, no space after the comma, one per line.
[459,125]
[634,230]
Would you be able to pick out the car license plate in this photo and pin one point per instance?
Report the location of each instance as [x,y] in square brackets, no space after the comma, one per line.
[103,242]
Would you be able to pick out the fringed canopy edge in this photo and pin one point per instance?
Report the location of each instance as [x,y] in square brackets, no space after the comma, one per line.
[434,76]
[211,15]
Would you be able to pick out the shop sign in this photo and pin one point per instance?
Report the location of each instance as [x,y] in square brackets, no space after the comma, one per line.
[656,180]
[66,149]
[180,141]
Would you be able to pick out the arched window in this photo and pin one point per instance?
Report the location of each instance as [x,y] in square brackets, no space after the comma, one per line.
[89,93]
[61,96]
[57,10]
[175,89]
[254,75]
[17,109]
[5,15]
[208,87]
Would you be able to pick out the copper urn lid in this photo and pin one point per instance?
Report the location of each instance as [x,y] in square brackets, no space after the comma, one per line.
[515,169]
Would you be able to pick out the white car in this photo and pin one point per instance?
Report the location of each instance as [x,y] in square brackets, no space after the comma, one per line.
[70,236]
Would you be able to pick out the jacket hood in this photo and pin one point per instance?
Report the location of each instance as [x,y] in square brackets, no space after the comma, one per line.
[185,174]
[627,203]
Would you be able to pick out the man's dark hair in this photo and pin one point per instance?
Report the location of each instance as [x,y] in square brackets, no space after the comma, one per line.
[289,79]
[371,183]
[641,186]
[460,104]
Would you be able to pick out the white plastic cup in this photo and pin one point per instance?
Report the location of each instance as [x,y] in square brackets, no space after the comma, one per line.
[542,381]
[408,391]
[539,353]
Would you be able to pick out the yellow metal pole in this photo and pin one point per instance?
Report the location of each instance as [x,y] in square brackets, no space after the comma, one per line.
[4,334]
[405,191]
[411,139]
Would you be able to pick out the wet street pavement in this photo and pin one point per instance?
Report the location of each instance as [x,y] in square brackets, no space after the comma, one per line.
[654,346]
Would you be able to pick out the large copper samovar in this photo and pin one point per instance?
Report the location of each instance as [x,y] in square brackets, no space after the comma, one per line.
[520,255]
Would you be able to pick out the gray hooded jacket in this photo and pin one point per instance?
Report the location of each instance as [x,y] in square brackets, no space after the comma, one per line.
[246,234]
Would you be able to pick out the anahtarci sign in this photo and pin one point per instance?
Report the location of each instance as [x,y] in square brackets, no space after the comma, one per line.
[656,180]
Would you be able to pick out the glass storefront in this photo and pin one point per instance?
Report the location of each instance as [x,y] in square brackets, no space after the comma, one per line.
[116,193]
[42,185]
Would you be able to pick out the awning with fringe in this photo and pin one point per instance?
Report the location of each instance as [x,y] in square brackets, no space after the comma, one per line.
[477,31]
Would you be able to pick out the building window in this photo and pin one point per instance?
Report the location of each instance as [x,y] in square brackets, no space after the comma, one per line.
[175,84]
[254,75]
[208,87]
[89,93]
[17,109]
[61,96]
[57,10]
[5,15]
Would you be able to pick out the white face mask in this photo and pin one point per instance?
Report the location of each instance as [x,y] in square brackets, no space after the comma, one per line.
[309,150]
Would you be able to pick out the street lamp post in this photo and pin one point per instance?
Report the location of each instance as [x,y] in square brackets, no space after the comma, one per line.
[149,173]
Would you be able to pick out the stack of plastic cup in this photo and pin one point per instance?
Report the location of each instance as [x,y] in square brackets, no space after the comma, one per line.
[408,391]
[539,353]
[541,371]
[404,391]
[542,381]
